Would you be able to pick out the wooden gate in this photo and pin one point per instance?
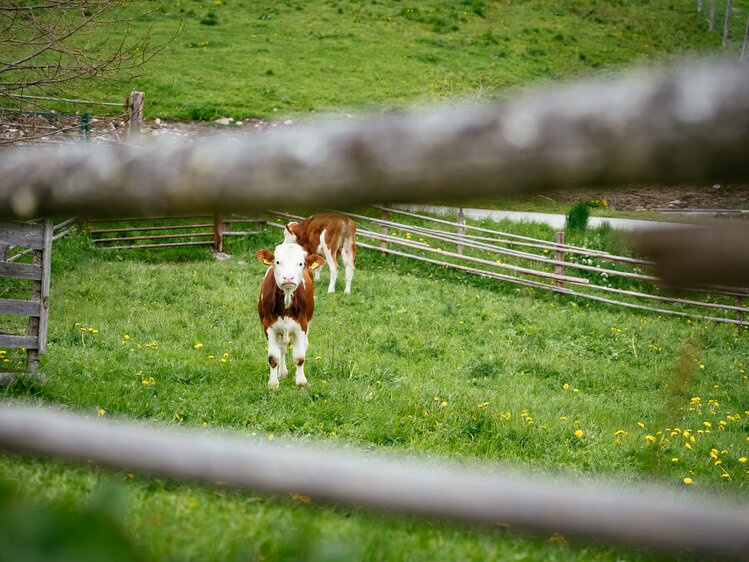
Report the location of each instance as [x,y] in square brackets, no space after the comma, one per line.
[31,280]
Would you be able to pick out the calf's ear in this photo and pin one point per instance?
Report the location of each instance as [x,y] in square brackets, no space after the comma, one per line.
[314,261]
[265,256]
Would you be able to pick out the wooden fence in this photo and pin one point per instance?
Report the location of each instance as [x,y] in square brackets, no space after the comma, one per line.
[689,125]
[136,233]
[36,241]
[541,264]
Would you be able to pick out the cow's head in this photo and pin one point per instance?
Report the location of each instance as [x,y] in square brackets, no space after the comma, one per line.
[288,262]
[290,232]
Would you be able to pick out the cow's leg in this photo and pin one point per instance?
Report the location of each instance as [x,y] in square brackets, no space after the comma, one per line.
[274,358]
[330,258]
[283,372]
[348,264]
[298,353]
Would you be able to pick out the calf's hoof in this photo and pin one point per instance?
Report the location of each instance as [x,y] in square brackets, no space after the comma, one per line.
[301,383]
[283,374]
[273,384]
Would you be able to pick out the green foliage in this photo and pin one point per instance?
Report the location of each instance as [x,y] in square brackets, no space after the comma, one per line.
[577,217]
[32,531]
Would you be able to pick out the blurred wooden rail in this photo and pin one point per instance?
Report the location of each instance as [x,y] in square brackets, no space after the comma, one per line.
[654,517]
[690,124]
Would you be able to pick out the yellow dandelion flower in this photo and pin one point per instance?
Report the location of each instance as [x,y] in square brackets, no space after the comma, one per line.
[650,438]
[566,386]
[198,345]
[300,498]
[211,357]
[640,424]
[688,446]
[101,412]
[742,459]
[707,424]
[563,418]
[619,432]
[725,475]
[688,481]
[674,459]
[579,433]
[443,404]
[270,437]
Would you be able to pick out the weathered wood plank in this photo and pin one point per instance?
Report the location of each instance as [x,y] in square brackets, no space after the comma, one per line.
[16,307]
[18,341]
[20,271]
[46,258]
[22,234]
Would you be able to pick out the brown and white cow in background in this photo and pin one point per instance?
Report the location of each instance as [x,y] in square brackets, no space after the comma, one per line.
[285,306]
[327,234]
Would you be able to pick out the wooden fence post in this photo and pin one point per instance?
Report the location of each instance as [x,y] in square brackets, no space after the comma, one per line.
[461,229]
[746,40]
[712,15]
[384,230]
[40,294]
[699,5]
[725,24]
[218,233]
[135,124]
[559,269]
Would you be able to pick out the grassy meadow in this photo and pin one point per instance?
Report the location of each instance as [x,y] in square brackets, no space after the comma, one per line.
[418,360]
[274,59]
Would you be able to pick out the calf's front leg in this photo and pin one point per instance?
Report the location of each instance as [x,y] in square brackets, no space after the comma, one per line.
[274,358]
[298,353]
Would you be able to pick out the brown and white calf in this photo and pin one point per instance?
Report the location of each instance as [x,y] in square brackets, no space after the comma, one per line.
[285,306]
[327,234]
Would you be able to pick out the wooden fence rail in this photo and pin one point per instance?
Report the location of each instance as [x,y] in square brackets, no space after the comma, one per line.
[512,272]
[216,230]
[654,517]
[642,128]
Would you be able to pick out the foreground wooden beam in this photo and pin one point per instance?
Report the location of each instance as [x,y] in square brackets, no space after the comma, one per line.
[689,124]
[690,257]
[652,517]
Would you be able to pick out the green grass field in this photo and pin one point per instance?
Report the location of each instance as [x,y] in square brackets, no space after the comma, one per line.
[417,360]
[273,59]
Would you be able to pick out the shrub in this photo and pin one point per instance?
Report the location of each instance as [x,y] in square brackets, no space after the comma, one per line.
[577,218]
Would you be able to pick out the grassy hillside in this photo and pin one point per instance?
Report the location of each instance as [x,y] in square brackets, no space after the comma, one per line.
[276,58]
[417,359]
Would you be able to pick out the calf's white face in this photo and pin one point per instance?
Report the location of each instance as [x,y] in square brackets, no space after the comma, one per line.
[288,266]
